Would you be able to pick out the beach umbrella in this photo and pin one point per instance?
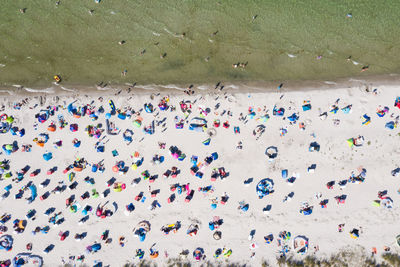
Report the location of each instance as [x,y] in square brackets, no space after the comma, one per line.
[94,168]
[137,123]
[387,203]
[227,253]
[217,235]
[271,152]
[148,107]
[198,254]
[350,142]
[212,132]
[217,253]
[376,203]
[300,244]
[10,119]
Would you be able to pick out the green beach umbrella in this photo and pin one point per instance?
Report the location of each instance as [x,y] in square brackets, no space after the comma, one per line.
[10,119]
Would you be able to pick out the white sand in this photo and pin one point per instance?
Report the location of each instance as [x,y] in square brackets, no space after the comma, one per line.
[335,161]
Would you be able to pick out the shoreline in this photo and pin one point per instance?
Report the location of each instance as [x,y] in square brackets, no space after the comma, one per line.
[238,87]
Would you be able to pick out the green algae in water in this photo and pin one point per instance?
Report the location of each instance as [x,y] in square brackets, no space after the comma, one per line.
[280,40]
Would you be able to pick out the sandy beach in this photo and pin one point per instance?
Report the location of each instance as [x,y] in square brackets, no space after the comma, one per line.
[185,161]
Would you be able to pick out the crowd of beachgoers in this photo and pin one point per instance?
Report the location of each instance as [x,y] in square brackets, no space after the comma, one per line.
[201,177]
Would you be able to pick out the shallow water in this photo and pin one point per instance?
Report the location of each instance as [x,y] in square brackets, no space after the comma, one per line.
[282,42]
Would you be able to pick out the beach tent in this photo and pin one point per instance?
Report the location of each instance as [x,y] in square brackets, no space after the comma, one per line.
[138,122]
[366,119]
[391,125]
[382,112]
[314,146]
[122,115]
[284,173]
[264,118]
[4,127]
[355,233]
[334,109]
[33,193]
[52,128]
[293,118]
[47,156]
[28,259]
[278,112]
[306,107]
[269,238]
[207,142]
[347,109]
[94,248]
